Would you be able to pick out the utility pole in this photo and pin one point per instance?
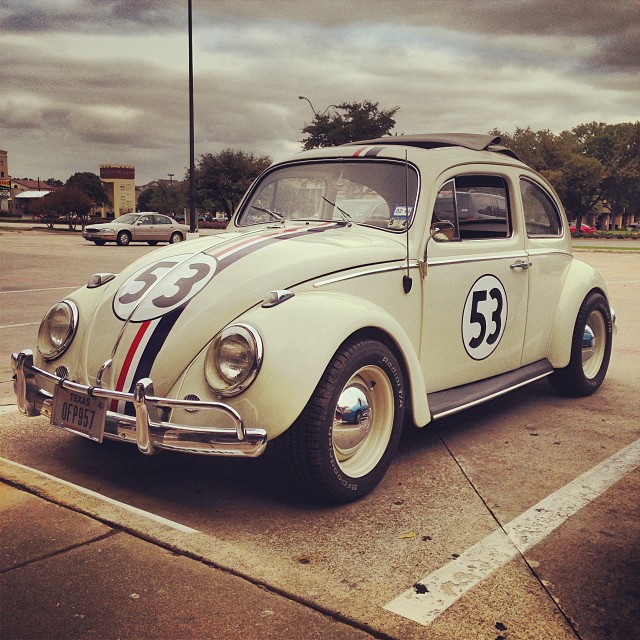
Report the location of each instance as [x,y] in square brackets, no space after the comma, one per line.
[192,164]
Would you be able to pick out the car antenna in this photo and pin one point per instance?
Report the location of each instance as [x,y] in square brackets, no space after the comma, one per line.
[406,280]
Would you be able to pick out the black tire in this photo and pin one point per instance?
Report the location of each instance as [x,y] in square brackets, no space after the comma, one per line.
[100,243]
[176,236]
[338,461]
[153,243]
[124,238]
[590,349]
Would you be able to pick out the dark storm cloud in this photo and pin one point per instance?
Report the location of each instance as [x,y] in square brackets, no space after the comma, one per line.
[614,27]
[90,16]
[91,81]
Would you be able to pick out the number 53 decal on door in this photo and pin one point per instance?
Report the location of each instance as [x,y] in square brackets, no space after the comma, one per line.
[484,317]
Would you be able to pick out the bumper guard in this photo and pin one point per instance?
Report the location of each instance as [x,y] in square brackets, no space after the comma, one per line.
[147,429]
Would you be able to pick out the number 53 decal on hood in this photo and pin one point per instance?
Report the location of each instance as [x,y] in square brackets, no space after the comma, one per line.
[160,288]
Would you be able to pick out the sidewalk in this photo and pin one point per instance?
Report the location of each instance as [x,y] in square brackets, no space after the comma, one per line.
[66,575]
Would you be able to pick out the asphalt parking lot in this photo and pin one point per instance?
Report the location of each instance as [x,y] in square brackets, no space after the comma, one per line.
[517,519]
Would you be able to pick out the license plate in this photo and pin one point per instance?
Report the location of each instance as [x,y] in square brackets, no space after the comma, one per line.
[79,412]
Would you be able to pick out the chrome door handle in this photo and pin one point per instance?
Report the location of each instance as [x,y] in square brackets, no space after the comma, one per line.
[521,264]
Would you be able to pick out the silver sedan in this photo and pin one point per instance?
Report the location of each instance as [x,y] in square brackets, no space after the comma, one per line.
[146,226]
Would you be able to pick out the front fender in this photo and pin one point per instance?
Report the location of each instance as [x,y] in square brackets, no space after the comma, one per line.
[300,337]
[581,279]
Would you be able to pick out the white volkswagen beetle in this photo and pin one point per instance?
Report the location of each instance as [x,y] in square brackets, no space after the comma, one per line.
[327,324]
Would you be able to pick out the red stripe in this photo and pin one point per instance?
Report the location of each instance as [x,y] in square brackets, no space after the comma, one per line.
[359,151]
[128,360]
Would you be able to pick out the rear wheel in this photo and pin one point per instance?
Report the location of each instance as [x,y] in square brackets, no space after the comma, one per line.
[590,349]
[176,236]
[124,238]
[334,457]
[152,242]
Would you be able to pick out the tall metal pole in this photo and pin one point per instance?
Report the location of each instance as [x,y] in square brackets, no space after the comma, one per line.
[192,162]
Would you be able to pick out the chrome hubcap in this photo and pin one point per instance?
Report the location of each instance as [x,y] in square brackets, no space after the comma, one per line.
[593,344]
[363,421]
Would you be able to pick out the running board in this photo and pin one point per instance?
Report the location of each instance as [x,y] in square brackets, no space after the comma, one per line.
[444,403]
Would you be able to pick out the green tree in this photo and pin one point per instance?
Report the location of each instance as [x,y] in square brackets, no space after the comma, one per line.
[67,203]
[617,148]
[164,197]
[53,182]
[576,176]
[223,178]
[90,184]
[350,121]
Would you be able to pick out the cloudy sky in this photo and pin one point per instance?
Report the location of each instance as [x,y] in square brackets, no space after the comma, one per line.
[89,82]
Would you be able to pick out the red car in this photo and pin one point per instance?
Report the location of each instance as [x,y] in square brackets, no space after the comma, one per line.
[585,229]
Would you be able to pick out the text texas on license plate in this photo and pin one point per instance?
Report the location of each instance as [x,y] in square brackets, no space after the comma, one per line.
[79,413]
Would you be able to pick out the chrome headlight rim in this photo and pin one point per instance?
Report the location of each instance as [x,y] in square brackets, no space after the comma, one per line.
[54,352]
[212,368]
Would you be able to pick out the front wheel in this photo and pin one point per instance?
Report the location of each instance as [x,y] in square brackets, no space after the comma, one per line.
[334,457]
[124,238]
[100,243]
[590,349]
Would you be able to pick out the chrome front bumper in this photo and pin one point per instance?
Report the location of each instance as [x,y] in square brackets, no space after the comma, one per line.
[148,428]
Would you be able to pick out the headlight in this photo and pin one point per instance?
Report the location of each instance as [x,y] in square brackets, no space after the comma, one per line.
[57,329]
[233,359]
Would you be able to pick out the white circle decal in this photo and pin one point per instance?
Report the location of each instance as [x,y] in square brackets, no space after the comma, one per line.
[484,317]
[162,287]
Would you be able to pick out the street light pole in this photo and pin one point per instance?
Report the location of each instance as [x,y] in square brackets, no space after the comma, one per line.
[192,164]
[315,113]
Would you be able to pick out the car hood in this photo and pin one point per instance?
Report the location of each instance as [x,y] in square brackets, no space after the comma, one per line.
[160,312]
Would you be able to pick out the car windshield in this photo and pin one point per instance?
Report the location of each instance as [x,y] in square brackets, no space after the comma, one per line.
[127,218]
[376,193]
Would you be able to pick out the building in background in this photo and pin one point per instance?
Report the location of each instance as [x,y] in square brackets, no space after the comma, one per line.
[119,182]
[5,182]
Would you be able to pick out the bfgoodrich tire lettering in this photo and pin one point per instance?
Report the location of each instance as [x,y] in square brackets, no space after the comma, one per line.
[590,349]
[343,442]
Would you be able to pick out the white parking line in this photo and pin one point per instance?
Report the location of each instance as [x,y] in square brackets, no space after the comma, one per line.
[433,594]
[94,494]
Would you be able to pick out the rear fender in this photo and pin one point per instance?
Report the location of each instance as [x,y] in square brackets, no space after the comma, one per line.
[581,279]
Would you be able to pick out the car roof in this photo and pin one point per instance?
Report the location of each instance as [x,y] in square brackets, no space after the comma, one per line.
[473,141]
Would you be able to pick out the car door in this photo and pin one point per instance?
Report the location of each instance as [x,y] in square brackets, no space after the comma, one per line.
[546,247]
[144,228]
[476,286]
[163,229]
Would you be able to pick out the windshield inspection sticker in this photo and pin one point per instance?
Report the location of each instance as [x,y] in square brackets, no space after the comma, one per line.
[484,317]
[400,216]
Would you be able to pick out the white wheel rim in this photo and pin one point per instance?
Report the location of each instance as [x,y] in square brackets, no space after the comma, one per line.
[594,342]
[363,421]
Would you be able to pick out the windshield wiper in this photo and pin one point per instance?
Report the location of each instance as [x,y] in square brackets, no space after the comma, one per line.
[277,216]
[346,217]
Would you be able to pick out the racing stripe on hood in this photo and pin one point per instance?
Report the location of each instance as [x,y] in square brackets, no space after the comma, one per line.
[228,255]
[142,354]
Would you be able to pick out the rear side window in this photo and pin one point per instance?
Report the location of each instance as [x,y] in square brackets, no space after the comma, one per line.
[541,215]
[477,206]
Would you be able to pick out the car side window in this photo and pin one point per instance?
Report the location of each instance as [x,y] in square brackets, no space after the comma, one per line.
[541,215]
[162,220]
[145,220]
[476,205]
